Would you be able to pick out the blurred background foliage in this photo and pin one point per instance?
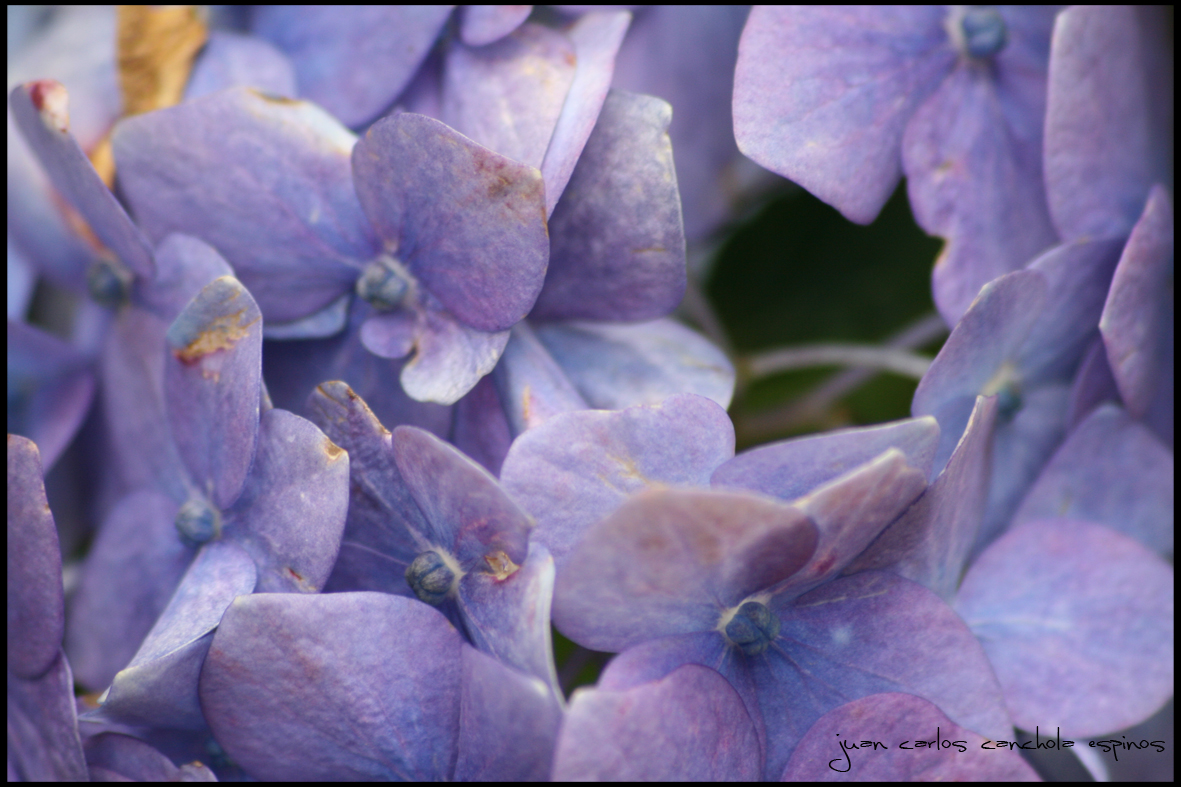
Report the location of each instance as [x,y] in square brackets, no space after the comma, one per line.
[797,272]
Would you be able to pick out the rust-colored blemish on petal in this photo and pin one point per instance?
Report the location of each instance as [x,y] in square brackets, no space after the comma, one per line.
[223,334]
[303,584]
[332,449]
[501,564]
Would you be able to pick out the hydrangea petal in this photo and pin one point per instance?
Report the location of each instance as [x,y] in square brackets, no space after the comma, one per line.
[78,49]
[49,389]
[112,756]
[865,634]
[43,741]
[700,88]
[266,181]
[136,562]
[579,467]
[1108,130]
[1077,278]
[354,60]
[531,384]
[293,370]
[615,366]
[1093,384]
[507,96]
[483,24]
[336,686]
[231,59]
[1113,471]
[509,617]
[159,686]
[469,223]
[974,172]
[40,109]
[141,441]
[184,265]
[1137,321]
[618,242]
[930,543]
[990,333]
[897,720]
[385,527]
[36,609]
[450,358]
[212,380]
[640,734]
[1021,447]
[480,428]
[1077,621]
[596,37]
[792,468]
[465,509]
[21,279]
[291,513]
[389,335]
[851,511]
[670,562]
[823,94]
[508,723]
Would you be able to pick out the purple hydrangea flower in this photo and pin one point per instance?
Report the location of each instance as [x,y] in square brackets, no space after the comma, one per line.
[428,522]
[1062,596]
[254,498]
[444,237]
[736,581]
[845,100]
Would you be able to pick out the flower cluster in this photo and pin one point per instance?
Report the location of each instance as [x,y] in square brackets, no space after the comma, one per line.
[345,391]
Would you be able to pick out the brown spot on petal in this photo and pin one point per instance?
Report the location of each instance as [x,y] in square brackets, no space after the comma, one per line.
[332,449]
[223,334]
[499,188]
[501,564]
[301,583]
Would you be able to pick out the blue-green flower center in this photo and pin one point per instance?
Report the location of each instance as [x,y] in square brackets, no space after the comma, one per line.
[198,522]
[109,283]
[1006,384]
[984,30]
[384,283]
[753,628]
[430,577]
